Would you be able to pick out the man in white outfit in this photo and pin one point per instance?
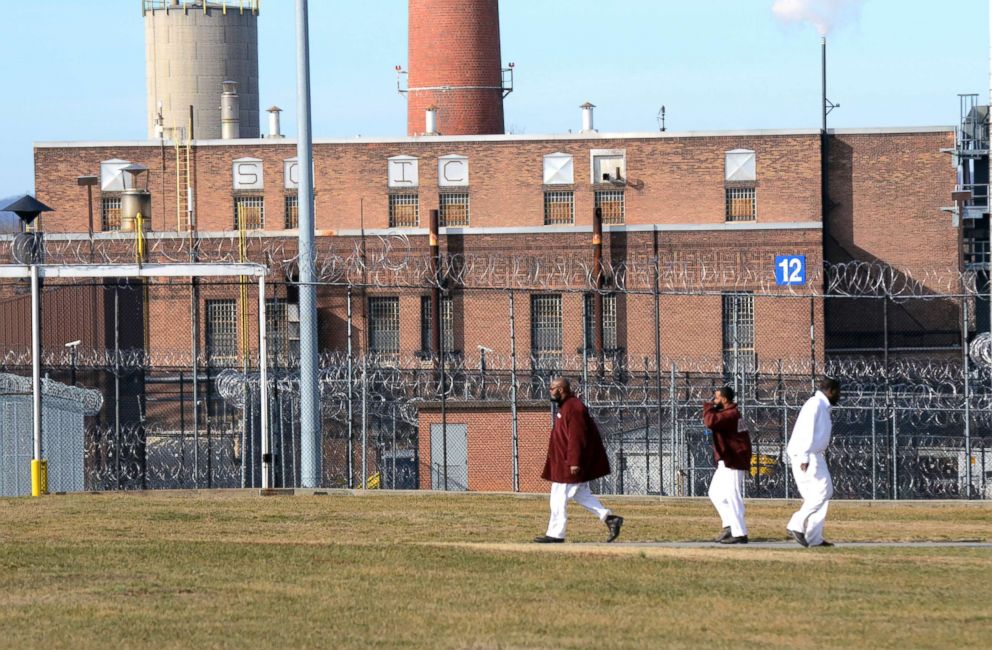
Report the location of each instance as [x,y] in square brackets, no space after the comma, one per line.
[810,439]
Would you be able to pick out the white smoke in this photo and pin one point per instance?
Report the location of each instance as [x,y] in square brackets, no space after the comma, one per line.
[824,15]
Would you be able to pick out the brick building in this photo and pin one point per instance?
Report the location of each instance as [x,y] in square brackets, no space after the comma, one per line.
[716,209]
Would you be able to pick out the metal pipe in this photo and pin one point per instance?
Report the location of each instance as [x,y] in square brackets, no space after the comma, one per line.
[263,386]
[36,359]
[310,450]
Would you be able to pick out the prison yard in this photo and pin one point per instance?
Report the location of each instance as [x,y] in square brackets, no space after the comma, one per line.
[377,569]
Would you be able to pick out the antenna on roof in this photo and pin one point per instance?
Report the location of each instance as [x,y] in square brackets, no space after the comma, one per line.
[661,118]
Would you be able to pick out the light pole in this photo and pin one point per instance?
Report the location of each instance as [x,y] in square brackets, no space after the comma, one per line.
[27,209]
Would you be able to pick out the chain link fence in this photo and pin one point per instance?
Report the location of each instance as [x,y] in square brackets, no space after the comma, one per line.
[463,406]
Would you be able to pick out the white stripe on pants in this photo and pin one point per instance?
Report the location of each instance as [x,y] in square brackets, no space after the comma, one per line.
[816,488]
[561,493]
[728,499]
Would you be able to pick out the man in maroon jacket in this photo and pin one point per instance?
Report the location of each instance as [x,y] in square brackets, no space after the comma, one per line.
[732,453]
[575,456]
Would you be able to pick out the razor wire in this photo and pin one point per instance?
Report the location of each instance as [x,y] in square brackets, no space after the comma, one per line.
[396,260]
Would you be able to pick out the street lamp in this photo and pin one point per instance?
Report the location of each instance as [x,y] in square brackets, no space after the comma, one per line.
[27,209]
[88,182]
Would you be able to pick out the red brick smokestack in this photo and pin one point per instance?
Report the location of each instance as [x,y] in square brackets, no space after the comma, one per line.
[454,63]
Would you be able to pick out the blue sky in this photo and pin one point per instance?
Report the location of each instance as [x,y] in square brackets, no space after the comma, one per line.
[74,69]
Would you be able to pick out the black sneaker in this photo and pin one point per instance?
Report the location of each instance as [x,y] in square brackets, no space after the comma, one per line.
[799,537]
[724,534]
[545,539]
[614,523]
[735,540]
[825,544]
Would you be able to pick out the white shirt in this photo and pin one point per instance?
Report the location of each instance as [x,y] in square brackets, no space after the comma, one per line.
[811,435]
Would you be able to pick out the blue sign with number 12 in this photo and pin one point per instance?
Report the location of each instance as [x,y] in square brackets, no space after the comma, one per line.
[790,269]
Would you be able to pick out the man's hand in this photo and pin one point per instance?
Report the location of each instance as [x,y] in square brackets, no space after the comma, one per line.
[575,470]
[804,466]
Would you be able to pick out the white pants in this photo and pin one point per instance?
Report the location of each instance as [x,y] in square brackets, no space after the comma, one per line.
[728,499]
[561,493]
[816,489]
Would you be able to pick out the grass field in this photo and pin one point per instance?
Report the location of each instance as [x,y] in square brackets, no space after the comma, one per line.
[455,571]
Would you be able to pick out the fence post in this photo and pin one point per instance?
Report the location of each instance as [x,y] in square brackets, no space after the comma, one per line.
[513,398]
[967,397]
[874,454]
[657,361]
[673,423]
[263,387]
[351,396]
[895,455]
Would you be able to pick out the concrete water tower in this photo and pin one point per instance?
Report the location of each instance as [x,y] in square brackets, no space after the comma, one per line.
[191,48]
[454,65]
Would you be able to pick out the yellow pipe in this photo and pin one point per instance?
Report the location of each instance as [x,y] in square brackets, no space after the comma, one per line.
[39,477]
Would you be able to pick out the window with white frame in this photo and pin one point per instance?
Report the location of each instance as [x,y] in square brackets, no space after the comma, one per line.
[282,331]
[110,212]
[249,210]
[384,327]
[221,332]
[738,339]
[447,324]
[546,331]
[742,204]
[453,209]
[740,185]
[609,321]
[292,211]
[404,210]
[559,207]
[611,204]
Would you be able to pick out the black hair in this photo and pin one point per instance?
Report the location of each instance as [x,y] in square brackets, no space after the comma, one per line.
[727,392]
[829,383]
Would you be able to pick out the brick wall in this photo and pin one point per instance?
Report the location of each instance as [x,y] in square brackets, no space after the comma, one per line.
[681,180]
[455,45]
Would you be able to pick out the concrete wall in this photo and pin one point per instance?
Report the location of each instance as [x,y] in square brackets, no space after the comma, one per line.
[188,53]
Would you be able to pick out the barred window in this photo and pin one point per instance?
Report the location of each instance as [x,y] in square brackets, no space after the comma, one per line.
[249,209]
[546,330]
[741,204]
[110,215]
[738,338]
[384,327]
[611,202]
[282,331]
[292,204]
[404,210]
[221,332]
[453,209]
[609,321]
[447,324]
[559,207]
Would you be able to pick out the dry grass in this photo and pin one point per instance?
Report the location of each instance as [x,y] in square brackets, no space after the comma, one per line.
[231,570]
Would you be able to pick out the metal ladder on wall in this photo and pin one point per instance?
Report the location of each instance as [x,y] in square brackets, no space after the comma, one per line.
[184,185]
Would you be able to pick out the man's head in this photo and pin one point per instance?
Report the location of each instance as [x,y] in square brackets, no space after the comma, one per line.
[724,396]
[830,388]
[561,389]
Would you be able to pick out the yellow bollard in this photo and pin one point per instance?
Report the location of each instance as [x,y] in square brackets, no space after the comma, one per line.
[39,477]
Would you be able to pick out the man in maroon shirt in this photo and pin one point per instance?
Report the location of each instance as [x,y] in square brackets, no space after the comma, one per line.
[575,456]
[732,453]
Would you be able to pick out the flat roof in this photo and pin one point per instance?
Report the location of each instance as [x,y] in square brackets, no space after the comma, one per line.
[590,137]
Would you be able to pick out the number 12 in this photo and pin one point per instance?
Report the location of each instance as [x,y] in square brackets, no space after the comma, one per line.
[792,268]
